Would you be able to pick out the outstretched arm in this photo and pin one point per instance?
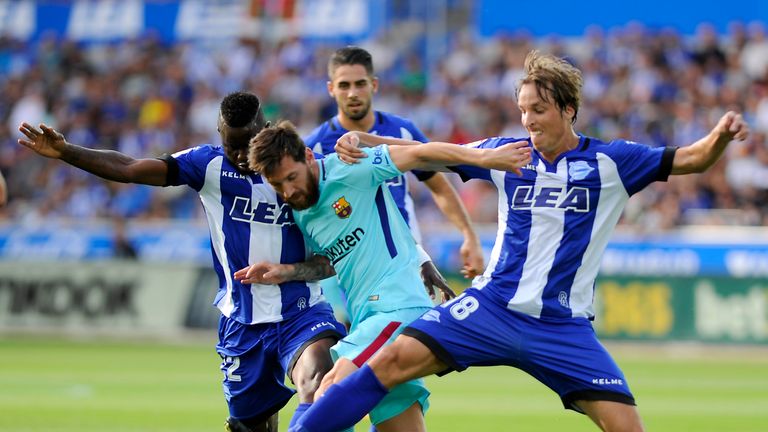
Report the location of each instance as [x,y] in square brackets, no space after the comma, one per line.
[408,154]
[107,164]
[702,154]
[437,155]
[316,268]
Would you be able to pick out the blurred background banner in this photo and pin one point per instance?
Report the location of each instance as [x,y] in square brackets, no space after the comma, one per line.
[499,16]
[182,20]
[104,297]
[176,20]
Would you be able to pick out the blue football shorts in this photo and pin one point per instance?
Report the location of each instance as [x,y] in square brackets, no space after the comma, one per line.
[256,358]
[477,329]
[364,339]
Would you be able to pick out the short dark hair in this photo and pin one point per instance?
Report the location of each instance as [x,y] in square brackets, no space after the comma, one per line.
[239,109]
[272,144]
[350,55]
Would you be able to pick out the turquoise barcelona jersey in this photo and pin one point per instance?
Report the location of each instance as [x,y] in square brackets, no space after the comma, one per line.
[357,225]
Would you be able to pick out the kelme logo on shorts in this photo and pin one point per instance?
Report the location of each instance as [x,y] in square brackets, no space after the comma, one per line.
[342,208]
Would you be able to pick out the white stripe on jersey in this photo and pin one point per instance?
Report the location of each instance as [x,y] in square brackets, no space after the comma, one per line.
[498,179]
[607,214]
[266,299]
[210,195]
[544,240]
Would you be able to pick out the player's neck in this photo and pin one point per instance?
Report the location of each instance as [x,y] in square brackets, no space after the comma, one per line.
[569,142]
[365,124]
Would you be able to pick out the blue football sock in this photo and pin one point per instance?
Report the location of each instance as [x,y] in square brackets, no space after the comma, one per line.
[344,404]
[298,413]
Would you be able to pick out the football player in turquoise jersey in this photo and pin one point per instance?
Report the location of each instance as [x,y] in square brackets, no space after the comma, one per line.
[352,84]
[349,215]
[532,307]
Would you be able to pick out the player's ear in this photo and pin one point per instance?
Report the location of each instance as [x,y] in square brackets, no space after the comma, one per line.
[569,112]
[309,155]
[329,86]
[375,84]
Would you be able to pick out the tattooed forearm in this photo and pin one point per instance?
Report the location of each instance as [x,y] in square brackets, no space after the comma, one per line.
[316,268]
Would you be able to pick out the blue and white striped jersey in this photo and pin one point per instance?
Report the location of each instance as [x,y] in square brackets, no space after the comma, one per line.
[556,219]
[324,137]
[248,223]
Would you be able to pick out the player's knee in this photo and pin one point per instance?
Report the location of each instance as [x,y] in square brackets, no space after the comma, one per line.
[308,380]
[310,371]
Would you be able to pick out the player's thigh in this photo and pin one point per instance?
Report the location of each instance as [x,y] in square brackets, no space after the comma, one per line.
[254,383]
[405,359]
[305,342]
[411,420]
[612,416]
[568,358]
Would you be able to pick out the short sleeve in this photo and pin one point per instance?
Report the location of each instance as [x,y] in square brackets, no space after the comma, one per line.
[374,169]
[188,167]
[640,165]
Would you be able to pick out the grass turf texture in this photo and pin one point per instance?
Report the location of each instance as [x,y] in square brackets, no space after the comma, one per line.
[68,386]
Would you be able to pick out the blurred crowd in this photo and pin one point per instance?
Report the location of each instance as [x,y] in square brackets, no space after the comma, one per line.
[145,98]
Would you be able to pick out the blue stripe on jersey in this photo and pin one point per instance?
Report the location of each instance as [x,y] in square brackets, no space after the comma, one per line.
[381,207]
[517,228]
[580,195]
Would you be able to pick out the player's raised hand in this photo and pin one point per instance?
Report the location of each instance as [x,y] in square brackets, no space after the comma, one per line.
[432,278]
[264,273]
[44,140]
[348,148]
[509,157]
[732,126]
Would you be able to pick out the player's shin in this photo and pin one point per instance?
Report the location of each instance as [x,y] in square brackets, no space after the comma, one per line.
[344,404]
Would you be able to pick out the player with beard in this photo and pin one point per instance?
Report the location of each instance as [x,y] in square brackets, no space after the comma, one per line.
[350,216]
[352,83]
[267,329]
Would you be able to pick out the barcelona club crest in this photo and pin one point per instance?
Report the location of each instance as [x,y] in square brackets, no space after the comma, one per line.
[342,208]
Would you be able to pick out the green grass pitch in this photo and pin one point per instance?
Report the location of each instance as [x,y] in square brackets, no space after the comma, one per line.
[102,385]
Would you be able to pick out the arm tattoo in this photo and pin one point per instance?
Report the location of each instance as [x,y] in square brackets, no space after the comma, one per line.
[316,268]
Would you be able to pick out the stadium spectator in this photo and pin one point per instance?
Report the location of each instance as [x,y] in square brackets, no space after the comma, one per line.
[264,335]
[532,307]
[352,220]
